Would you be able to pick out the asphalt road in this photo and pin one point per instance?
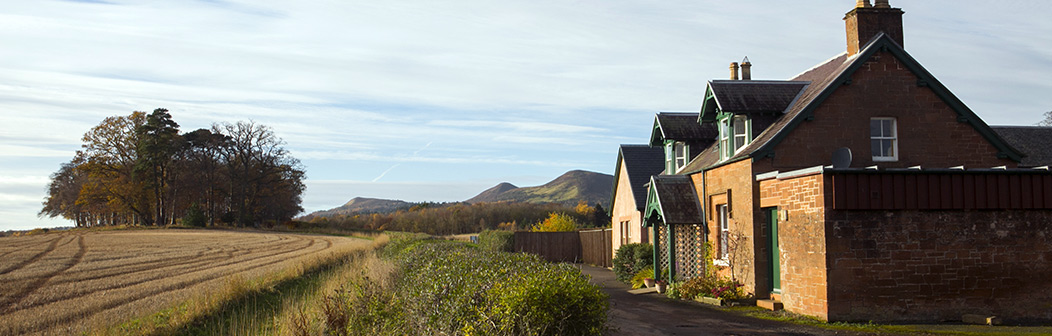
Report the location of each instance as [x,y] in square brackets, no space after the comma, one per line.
[655,314]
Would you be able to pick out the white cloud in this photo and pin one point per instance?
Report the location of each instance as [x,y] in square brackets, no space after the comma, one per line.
[497,88]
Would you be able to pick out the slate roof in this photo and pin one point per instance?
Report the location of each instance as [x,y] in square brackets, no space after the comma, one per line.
[1034,141]
[748,96]
[641,162]
[676,199]
[680,126]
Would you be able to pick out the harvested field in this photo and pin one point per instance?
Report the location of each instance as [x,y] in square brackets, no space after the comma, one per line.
[71,282]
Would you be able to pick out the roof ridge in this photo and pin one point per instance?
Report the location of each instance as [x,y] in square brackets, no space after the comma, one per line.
[819,65]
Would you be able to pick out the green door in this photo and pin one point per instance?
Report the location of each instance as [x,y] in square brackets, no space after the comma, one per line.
[776,274]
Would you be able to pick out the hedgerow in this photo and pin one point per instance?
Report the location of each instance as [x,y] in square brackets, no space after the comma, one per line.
[497,240]
[452,288]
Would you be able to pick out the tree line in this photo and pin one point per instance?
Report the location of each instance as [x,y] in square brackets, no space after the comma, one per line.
[458,218]
[140,170]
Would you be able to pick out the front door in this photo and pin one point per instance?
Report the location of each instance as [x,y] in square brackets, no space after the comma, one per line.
[775,268]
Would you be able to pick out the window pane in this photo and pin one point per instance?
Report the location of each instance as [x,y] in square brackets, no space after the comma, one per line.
[887,127]
[887,148]
[875,148]
[874,128]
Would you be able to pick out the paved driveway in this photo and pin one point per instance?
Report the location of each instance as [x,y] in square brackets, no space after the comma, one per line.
[653,314]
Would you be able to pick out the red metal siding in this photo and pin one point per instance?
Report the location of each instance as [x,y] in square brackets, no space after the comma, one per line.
[941,190]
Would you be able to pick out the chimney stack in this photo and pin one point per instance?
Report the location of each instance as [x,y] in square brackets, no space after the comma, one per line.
[734,70]
[865,22]
[746,69]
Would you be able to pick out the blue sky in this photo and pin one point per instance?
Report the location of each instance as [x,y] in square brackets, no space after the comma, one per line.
[438,100]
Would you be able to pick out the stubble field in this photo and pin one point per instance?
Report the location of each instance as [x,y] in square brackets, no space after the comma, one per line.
[68,283]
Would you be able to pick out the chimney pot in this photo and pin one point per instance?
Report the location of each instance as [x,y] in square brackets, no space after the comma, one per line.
[746,69]
[734,70]
[862,4]
[882,4]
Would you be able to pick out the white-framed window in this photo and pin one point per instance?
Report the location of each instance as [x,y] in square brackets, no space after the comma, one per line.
[670,163]
[725,139]
[681,155]
[722,219]
[883,139]
[741,135]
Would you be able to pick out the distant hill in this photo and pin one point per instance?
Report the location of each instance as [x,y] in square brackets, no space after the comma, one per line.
[567,189]
[364,205]
[492,194]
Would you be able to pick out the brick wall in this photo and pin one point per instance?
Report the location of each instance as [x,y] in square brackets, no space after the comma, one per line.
[801,240]
[737,177]
[928,131]
[937,265]
[624,210]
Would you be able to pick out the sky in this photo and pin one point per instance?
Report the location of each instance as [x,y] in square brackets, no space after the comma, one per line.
[430,100]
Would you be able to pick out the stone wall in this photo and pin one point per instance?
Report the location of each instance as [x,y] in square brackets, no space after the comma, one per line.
[801,241]
[732,184]
[938,265]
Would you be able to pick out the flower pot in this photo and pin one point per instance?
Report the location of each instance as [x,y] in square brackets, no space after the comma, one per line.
[649,282]
[661,287]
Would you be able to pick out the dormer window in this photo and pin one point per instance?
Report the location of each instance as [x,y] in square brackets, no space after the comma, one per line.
[734,135]
[676,156]
[681,155]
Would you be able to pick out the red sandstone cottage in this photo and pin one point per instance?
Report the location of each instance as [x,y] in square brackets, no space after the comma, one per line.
[925,214]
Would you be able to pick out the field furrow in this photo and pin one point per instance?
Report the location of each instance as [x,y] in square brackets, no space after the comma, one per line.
[50,247]
[72,282]
[80,287]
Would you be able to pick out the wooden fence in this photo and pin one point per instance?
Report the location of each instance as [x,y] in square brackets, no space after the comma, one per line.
[592,246]
[597,247]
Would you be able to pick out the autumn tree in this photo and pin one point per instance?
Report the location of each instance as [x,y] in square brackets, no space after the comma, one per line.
[556,222]
[138,169]
[110,155]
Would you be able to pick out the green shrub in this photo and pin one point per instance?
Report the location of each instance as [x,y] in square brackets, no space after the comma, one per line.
[497,240]
[195,216]
[673,291]
[632,258]
[638,279]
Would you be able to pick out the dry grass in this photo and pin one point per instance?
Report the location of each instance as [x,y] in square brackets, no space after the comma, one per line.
[73,282]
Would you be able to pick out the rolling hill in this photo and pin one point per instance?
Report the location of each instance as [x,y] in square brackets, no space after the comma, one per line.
[567,189]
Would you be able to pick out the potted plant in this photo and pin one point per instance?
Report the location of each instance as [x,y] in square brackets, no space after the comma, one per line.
[662,285]
[649,282]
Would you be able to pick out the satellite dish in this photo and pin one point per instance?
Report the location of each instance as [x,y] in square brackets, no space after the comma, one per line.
[842,158]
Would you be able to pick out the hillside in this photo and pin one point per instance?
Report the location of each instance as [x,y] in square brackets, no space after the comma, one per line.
[492,194]
[364,205]
[567,189]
